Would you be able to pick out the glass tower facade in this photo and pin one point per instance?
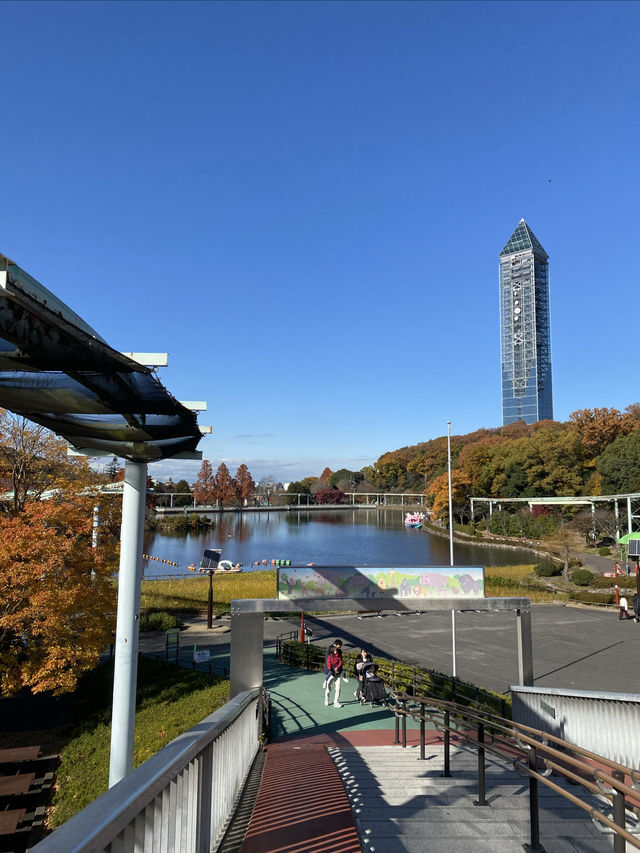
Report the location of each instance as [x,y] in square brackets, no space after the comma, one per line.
[525,331]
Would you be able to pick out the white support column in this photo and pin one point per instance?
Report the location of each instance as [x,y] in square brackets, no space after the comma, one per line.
[128,624]
[629,522]
[617,514]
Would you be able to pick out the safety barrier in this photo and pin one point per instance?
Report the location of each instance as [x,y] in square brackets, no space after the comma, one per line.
[605,723]
[182,797]
[535,754]
[412,679]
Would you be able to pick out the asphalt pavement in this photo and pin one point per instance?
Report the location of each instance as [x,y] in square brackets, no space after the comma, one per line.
[573,647]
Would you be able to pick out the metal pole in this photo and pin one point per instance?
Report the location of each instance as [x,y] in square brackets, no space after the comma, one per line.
[629,523]
[127,627]
[453,612]
[619,844]
[535,846]
[482,799]
[447,746]
[210,602]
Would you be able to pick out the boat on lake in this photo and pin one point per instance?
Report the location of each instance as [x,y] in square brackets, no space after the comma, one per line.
[413,519]
[211,562]
[226,567]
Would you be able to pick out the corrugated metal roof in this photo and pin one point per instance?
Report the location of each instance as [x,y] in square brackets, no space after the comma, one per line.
[57,371]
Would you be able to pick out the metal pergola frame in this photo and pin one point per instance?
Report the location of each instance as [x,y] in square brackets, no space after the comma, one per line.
[633,512]
[57,371]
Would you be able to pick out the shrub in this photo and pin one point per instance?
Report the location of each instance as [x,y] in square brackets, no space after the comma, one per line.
[604,552]
[159,622]
[600,582]
[582,577]
[575,563]
[593,597]
[547,570]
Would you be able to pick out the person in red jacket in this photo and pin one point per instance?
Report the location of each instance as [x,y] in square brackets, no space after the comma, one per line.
[335,672]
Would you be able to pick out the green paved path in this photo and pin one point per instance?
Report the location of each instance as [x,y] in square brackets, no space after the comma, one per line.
[298,704]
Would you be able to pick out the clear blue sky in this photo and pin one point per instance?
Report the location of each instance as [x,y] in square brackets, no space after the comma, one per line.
[303,203]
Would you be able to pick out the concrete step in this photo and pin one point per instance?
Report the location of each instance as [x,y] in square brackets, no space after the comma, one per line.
[401,803]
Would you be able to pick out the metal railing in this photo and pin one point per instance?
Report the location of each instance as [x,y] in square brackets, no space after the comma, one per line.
[413,680]
[535,754]
[182,797]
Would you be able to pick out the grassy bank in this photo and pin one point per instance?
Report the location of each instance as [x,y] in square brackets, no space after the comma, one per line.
[170,700]
[190,594]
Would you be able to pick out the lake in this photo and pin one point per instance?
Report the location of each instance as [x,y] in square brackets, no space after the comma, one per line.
[362,537]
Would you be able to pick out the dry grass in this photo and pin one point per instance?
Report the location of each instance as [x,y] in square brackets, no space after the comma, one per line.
[190,594]
[515,581]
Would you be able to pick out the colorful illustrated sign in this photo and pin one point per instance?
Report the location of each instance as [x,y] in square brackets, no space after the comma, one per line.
[297,582]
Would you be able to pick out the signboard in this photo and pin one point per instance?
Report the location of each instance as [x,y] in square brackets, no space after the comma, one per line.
[375,582]
[633,546]
[201,656]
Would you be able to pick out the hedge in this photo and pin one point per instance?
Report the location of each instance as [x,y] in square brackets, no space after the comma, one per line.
[406,678]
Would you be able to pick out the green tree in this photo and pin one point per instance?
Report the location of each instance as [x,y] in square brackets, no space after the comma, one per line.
[345,480]
[182,494]
[619,465]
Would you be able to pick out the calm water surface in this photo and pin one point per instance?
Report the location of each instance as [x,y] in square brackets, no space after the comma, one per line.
[348,537]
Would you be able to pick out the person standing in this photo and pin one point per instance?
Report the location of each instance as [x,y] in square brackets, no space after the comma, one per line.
[336,644]
[636,607]
[624,608]
[363,657]
[334,665]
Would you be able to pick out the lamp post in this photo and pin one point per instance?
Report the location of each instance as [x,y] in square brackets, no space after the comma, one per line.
[453,612]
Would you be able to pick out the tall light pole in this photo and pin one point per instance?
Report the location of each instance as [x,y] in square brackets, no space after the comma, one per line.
[453,612]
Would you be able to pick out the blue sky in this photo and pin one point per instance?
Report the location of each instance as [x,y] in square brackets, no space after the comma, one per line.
[303,203]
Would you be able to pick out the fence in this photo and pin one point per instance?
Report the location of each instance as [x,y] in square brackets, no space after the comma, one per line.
[606,723]
[182,797]
[411,679]
[535,755]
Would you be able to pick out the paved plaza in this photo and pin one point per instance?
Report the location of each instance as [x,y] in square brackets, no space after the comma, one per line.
[573,647]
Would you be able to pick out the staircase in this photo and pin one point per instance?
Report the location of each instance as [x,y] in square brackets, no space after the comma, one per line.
[401,803]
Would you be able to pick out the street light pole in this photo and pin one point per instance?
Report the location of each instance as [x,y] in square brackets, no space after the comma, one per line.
[453,612]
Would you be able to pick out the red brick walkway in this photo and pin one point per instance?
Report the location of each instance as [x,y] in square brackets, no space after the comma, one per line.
[302,806]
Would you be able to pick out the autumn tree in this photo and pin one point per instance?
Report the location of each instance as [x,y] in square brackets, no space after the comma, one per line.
[597,428]
[224,485]
[57,598]
[204,488]
[439,491]
[245,486]
[33,460]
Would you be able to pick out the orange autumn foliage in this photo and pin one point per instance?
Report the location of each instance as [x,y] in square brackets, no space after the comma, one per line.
[57,596]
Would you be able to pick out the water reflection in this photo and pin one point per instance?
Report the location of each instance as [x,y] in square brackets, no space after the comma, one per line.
[362,537]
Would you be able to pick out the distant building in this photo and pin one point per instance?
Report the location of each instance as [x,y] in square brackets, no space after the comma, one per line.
[525,329]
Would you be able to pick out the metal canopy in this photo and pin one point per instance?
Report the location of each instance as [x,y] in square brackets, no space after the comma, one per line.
[57,371]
